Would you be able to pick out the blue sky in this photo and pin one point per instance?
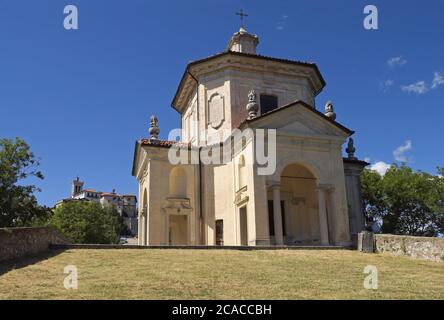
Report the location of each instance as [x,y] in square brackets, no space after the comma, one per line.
[81,98]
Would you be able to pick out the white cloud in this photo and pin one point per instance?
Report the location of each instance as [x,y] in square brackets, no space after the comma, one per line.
[380,167]
[438,80]
[281,24]
[422,87]
[396,61]
[419,87]
[387,84]
[399,153]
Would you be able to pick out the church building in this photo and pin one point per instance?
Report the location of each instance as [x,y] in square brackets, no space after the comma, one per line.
[312,198]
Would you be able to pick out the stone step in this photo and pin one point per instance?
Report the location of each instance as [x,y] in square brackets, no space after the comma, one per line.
[244,248]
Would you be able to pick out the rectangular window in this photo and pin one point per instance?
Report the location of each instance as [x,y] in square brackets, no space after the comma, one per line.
[268,103]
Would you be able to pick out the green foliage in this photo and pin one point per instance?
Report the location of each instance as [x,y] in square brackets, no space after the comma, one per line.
[408,202]
[87,222]
[18,205]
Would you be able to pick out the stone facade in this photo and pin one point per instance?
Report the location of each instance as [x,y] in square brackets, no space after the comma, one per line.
[415,247]
[303,202]
[18,242]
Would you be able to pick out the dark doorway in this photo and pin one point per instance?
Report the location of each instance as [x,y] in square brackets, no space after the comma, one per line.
[243,226]
[219,232]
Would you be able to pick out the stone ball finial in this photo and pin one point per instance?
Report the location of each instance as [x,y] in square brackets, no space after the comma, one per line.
[329,110]
[252,106]
[351,149]
[154,128]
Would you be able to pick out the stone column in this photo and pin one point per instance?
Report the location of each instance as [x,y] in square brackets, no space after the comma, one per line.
[189,239]
[145,227]
[323,222]
[332,218]
[353,170]
[167,229]
[277,213]
[139,230]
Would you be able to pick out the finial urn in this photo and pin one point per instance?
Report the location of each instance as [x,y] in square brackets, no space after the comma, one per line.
[329,110]
[351,149]
[154,128]
[252,106]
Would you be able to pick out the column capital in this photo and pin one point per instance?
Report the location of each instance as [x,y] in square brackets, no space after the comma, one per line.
[274,184]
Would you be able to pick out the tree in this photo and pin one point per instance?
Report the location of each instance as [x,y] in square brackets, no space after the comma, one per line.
[408,202]
[18,205]
[87,222]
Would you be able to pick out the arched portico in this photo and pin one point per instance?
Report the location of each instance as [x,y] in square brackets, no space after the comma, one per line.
[177,209]
[297,207]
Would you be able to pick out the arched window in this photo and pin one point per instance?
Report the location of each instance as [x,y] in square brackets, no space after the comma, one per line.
[178,183]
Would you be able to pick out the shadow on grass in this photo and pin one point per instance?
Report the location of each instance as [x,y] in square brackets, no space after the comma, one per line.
[6,266]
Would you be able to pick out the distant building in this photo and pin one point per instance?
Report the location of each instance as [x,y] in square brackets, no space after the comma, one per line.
[126,205]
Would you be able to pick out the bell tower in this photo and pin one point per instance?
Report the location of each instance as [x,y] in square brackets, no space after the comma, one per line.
[243,42]
[76,187]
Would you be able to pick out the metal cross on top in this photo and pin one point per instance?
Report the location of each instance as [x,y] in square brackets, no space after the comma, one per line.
[242,15]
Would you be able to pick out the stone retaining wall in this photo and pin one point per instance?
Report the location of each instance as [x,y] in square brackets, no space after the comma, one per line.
[416,247]
[18,242]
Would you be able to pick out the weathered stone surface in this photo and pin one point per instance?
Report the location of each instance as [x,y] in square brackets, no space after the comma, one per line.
[366,242]
[415,247]
[353,169]
[18,242]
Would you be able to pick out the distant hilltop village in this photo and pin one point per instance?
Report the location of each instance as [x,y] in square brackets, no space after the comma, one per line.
[126,204]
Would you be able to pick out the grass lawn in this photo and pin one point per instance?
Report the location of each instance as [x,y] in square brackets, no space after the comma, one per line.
[221,274]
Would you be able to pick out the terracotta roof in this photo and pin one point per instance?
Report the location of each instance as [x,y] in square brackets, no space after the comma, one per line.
[308,107]
[257,56]
[356,161]
[168,144]
[243,54]
[163,143]
[155,143]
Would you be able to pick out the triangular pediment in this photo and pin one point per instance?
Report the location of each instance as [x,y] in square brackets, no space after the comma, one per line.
[300,119]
